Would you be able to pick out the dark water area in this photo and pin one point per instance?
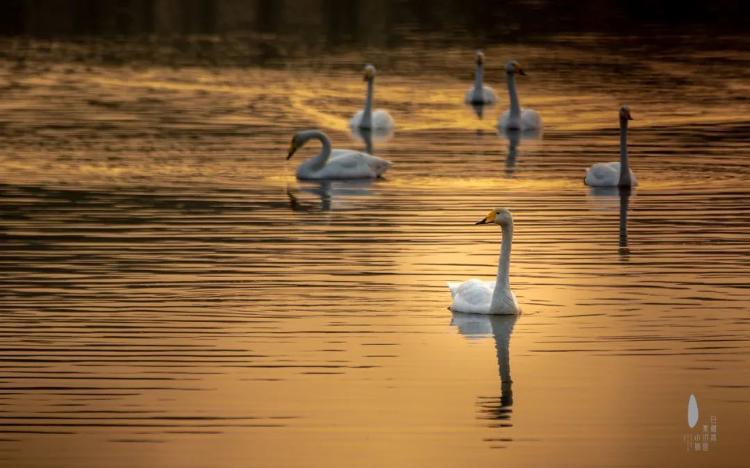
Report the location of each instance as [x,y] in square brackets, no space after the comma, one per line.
[172,295]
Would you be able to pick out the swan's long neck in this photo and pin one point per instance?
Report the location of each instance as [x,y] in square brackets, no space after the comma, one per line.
[317,162]
[478,78]
[624,166]
[515,104]
[367,114]
[503,264]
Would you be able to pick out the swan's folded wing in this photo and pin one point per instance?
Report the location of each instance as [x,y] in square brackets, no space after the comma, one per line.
[472,296]
[504,119]
[603,174]
[530,119]
[488,94]
[381,119]
[357,119]
[345,164]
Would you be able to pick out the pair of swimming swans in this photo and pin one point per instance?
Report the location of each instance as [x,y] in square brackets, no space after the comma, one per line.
[335,163]
[345,163]
[613,174]
[515,118]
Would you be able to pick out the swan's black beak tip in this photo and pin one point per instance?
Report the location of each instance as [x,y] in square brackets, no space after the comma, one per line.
[481,221]
[521,72]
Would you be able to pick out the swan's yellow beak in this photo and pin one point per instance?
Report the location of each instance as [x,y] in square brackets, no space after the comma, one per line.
[292,150]
[489,219]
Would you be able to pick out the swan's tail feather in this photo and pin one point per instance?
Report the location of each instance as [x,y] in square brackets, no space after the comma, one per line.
[453,287]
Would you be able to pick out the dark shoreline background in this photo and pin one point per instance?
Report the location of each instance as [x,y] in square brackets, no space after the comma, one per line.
[359,22]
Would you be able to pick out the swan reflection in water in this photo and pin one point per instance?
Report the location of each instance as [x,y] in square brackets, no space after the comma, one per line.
[328,191]
[623,193]
[500,327]
[478,110]
[369,136]
[514,138]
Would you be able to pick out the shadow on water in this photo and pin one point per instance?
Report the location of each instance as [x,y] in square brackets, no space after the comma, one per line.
[478,110]
[497,409]
[514,138]
[327,191]
[623,194]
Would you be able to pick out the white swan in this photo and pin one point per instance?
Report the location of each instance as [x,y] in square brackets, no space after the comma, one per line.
[479,93]
[614,174]
[368,118]
[335,164]
[517,118]
[489,297]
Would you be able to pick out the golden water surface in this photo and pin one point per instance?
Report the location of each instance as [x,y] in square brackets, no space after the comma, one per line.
[172,296]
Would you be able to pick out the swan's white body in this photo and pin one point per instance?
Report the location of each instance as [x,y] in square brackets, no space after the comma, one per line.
[379,119]
[483,95]
[336,164]
[367,118]
[614,174]
[475,296]
[606,175]
[529,119]
[517,118]
[479,93]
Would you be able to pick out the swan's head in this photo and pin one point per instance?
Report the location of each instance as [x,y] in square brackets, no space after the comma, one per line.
[480,57]
[499,216]
[625,113]
[298,141]
[369,72]
[514,67]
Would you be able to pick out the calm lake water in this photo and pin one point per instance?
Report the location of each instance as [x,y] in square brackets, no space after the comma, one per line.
[173,297]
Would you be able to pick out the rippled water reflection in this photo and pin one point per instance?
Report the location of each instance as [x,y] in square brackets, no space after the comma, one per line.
[172,296]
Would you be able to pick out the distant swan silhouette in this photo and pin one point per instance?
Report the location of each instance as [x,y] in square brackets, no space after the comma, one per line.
[479,93]
[614,174]
[335,164]
[517,118]
[489,297]
[369,118]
